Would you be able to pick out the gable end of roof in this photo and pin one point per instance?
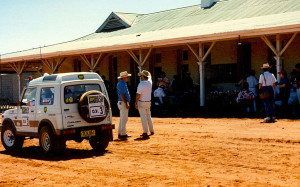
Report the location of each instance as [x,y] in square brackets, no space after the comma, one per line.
[116,21]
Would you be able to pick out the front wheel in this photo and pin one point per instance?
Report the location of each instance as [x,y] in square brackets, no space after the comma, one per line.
[10,140]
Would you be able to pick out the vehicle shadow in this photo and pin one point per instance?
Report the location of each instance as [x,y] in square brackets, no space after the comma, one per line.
[35,153]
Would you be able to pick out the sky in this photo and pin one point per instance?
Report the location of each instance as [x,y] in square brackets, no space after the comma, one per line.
[26,24]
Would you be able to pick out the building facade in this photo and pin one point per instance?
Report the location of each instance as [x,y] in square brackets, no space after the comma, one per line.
[218,44]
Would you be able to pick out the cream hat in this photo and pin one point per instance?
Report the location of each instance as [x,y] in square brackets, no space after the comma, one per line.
[144,73]
[124,74]
[265,66]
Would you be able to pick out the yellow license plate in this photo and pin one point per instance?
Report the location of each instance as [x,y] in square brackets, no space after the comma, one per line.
[88,133]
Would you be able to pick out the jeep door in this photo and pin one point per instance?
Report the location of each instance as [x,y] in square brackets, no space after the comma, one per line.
[71,93]
[48,106]
[26,120]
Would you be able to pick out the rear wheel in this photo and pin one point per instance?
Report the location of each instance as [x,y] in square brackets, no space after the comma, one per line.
[100,142]
[10,140]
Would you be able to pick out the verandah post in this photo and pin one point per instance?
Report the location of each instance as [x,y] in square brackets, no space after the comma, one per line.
[202,75]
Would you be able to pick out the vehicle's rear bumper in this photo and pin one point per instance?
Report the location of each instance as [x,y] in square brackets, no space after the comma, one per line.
[75,133]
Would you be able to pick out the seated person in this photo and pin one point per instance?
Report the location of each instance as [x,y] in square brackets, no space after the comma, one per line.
[159,93]
[246,97]
[163,81]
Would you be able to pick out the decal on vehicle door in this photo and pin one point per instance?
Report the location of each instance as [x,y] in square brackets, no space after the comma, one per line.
[25,116]
[96,106]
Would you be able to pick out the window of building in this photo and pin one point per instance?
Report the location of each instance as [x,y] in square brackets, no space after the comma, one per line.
[77,66]
[185,55]
[115,69]
[158,57]
[184,69]
[157,73]
[222,73]
[47,96]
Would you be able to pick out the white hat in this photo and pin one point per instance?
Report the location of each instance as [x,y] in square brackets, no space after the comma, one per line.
[144,73]
[124,74]
[265,66]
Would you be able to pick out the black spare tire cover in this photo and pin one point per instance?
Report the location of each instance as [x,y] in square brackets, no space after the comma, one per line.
[93,106]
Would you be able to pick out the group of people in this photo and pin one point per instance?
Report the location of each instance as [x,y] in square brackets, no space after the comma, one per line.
[285,94]
[179,91]
[143,98]
[142,103]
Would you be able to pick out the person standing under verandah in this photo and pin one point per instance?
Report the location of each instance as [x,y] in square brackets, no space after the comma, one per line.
[143,102]
[284,93]
[123,104]
[267,82]
[253,82]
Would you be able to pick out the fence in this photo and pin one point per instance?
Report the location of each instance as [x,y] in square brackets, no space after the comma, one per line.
[5,105]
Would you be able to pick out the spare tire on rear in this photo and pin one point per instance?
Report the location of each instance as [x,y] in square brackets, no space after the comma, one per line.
[93,106]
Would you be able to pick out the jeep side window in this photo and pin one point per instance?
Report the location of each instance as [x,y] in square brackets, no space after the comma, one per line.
[73,93]
[47,96]
[29,97]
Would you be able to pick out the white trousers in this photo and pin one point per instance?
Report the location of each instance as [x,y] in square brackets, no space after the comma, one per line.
[123,118]
[145,113]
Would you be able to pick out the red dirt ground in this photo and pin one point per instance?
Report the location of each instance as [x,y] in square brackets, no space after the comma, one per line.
[183,152]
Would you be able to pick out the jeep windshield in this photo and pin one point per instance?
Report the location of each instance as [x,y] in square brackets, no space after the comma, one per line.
[73,93]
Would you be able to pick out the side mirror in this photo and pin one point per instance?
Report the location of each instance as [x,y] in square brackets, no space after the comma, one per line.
[18,103]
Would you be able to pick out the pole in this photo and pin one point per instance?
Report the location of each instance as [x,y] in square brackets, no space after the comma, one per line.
[19,84]
[0,77]
[278,57]
[202,75]
[41,60]
[202,84]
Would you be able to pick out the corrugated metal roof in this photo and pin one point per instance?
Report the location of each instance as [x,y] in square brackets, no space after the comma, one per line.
[195,15]
[225,16]
[128,18]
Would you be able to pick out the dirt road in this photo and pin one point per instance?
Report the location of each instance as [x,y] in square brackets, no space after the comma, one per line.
[183,152]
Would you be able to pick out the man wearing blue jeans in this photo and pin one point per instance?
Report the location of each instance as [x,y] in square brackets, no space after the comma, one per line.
[267,82]
[123,104]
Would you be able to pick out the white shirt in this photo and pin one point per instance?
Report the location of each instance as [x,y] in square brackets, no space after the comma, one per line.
[159,92]
[145,90]
[252,81]
[270,79]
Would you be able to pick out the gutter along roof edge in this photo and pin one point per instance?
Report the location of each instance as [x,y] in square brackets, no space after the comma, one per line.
[283,23]
[161,43]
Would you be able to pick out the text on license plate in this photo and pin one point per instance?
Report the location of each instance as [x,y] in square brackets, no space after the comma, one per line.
[88,133]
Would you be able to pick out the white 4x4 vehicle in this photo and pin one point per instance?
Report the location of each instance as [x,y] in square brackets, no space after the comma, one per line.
[60,107]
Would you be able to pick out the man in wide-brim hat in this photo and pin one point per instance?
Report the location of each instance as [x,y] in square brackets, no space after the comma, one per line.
[266,66]
[267,82]
[123,103]
[143,102]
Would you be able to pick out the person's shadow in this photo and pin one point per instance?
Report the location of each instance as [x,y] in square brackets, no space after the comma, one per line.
[141,139]
[35,153]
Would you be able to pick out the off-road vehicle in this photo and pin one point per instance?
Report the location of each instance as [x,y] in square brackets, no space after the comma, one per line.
[60,107]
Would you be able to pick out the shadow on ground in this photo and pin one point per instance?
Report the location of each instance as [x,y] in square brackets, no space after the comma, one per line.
[35,153]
